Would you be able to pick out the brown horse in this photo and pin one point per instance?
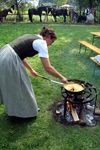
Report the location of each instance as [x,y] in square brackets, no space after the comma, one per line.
[4,13]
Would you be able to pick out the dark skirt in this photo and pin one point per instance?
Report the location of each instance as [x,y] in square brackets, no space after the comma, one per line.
[16,91]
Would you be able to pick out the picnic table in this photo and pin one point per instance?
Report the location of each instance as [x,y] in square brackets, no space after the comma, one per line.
[97,64]
[90,46]
[93,48]
[95,35]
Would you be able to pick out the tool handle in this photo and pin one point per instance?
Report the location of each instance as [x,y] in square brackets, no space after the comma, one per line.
[60,83]
[44,77]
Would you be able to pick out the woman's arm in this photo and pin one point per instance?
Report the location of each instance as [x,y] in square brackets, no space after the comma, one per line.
[51,70]
[28,66]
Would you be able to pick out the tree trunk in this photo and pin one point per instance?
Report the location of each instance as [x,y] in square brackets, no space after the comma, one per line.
[90,4]
[19,17]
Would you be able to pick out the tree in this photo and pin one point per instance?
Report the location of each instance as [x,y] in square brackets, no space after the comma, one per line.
[57,2]
[88,3]
[5,3]
[60,2]
[9,3]
[17,5]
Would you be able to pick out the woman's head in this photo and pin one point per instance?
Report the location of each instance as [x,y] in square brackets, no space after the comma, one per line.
[49,35]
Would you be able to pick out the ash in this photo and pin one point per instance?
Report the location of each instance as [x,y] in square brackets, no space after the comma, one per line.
[85,113]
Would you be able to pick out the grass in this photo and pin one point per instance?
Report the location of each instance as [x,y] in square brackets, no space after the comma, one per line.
[45,133]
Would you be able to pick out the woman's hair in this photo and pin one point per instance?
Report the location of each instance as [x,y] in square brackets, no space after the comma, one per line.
[45,32]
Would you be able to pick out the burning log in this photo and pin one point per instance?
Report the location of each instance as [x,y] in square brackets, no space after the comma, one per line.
[74,115]
[73,112]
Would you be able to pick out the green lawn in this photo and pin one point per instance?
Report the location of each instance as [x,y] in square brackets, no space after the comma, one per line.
[45,133]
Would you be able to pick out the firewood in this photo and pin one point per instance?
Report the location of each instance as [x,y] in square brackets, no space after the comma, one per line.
[74,115]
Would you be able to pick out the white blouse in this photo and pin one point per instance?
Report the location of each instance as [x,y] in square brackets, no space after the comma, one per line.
[40,45]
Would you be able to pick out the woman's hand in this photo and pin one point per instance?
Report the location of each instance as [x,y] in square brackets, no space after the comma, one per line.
[28,66]
[33,73]
[64,80]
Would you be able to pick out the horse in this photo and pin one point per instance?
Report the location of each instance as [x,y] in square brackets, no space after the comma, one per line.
[86,18]
[4,13]
[38,11]
[59,12]
[81,19]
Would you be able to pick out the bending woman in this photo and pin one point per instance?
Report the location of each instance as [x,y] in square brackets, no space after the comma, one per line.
[16,91]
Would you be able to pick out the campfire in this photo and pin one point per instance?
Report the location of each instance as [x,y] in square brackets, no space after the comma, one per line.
[76,106]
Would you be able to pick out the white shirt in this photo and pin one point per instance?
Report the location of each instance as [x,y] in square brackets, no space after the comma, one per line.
[40,45]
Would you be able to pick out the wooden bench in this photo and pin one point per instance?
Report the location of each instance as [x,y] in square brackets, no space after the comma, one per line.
[97,64]
[90,46]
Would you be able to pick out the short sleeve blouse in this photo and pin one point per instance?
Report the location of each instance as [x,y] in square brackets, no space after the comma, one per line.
[40,45]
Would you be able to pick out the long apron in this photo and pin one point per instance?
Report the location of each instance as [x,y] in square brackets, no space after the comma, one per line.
[16,91]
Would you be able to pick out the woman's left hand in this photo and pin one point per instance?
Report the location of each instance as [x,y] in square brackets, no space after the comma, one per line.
[34,73]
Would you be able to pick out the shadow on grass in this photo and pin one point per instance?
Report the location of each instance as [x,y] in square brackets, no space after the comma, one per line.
[12,130]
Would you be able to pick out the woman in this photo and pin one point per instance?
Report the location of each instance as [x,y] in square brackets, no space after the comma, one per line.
[16,91]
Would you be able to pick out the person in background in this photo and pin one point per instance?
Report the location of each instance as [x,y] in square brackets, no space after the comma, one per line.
[16,91]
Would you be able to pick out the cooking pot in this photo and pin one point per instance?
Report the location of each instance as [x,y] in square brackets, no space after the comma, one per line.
[73,86]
